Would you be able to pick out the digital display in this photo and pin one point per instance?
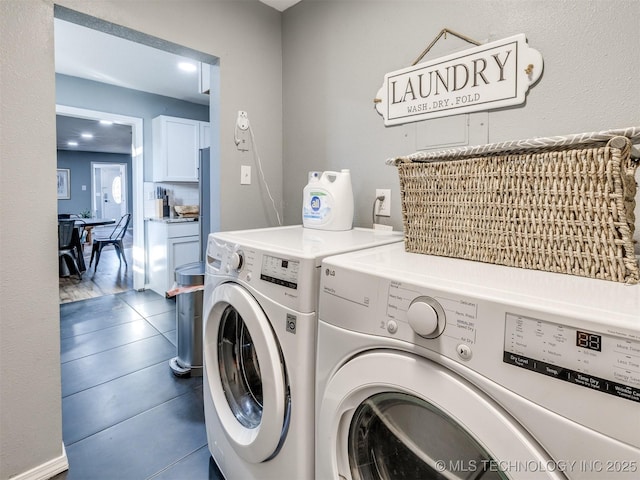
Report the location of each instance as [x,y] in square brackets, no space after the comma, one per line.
[588,340]
[280,271]
[601,362]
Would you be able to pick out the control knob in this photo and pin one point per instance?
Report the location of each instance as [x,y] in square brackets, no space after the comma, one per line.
[426,317]
[236,260]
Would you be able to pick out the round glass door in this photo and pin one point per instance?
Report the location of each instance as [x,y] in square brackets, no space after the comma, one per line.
[246,375]
[239,369]
[396,435]
[393,415]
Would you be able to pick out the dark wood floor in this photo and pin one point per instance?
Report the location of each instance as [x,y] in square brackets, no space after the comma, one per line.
[110,278]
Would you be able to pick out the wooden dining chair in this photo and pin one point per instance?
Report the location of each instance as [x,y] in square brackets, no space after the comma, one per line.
[67,247]
[114,238]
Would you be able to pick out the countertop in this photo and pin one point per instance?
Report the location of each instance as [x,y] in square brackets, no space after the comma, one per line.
[171,220]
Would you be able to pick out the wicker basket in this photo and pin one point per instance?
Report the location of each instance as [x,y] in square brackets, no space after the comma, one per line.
[566,209]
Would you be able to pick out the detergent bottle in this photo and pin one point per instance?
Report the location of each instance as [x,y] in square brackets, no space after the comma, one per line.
[328,201]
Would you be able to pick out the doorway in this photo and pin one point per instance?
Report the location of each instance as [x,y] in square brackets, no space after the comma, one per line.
[98,73]
[137,203]
[109,190]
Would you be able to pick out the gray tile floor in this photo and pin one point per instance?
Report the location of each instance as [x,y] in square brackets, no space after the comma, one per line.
[125,415]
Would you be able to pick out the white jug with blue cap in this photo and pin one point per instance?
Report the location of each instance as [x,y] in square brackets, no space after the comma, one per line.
[328,201]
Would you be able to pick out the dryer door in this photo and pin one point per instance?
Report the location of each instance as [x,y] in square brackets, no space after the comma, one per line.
[390,415]
[245,374]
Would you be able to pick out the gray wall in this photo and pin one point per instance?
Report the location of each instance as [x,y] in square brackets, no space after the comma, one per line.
[81,93]
[250,79]
[336,54]
[79,164]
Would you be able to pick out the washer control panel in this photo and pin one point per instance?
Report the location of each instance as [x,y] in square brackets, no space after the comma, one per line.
[594,360]
[281,271]
[290,280]
[225,259]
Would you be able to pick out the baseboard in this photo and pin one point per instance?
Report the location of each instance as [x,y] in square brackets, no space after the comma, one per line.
[46,470]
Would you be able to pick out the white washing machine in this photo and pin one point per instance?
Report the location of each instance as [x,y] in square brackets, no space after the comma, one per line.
[439,368]
[259,337]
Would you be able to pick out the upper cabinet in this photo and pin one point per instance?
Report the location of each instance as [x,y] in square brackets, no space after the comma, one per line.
[205,135]
[176,145]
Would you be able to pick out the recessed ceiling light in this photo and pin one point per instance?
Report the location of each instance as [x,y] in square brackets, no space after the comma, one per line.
[87,135]
[187,67]
[106,122]
[72,144]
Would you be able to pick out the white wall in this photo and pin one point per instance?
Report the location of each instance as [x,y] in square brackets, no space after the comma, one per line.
[251,80]
[30,403]
[337,52]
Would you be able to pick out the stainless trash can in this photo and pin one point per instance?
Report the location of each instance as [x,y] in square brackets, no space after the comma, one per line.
[189,321]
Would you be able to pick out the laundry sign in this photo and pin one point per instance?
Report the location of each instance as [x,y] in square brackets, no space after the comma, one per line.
[488,76]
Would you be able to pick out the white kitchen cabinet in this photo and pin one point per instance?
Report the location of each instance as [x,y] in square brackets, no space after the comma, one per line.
[176,145]
[205,135]
[170,245]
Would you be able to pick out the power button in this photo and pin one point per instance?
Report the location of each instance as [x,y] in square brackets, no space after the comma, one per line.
[464,351]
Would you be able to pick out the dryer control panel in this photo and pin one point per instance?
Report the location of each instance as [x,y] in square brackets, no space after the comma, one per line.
[597,361]
[456,316]
[400,310]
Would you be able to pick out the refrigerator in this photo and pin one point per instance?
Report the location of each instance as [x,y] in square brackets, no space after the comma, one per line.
[204,190]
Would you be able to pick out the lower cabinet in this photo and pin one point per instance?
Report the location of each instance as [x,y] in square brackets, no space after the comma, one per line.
[170,245]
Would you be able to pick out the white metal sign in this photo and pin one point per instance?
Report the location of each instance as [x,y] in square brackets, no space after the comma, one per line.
[492,75]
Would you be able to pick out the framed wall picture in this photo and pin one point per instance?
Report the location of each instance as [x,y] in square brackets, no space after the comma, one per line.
[64,185]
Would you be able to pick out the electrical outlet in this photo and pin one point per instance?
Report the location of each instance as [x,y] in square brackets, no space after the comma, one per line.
[245,174]
[383,207]
[243,120]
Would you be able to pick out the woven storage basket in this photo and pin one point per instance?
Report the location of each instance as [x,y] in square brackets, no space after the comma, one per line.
[566,209]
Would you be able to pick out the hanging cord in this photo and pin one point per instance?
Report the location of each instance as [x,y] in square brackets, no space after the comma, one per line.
[444,32]
[257,155]
[379,198]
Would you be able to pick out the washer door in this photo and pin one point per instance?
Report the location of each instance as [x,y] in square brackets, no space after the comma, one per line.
[246,374]
[390,415]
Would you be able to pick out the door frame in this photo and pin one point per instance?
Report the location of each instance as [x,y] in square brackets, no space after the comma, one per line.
[137,177]
[123,171]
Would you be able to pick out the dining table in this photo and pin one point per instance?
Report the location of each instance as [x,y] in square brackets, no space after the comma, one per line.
[90,223]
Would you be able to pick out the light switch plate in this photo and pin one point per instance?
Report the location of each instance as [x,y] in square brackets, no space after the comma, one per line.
[245,174]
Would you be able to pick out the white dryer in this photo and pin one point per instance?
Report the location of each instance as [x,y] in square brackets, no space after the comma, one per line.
[259,336]
[433,367]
